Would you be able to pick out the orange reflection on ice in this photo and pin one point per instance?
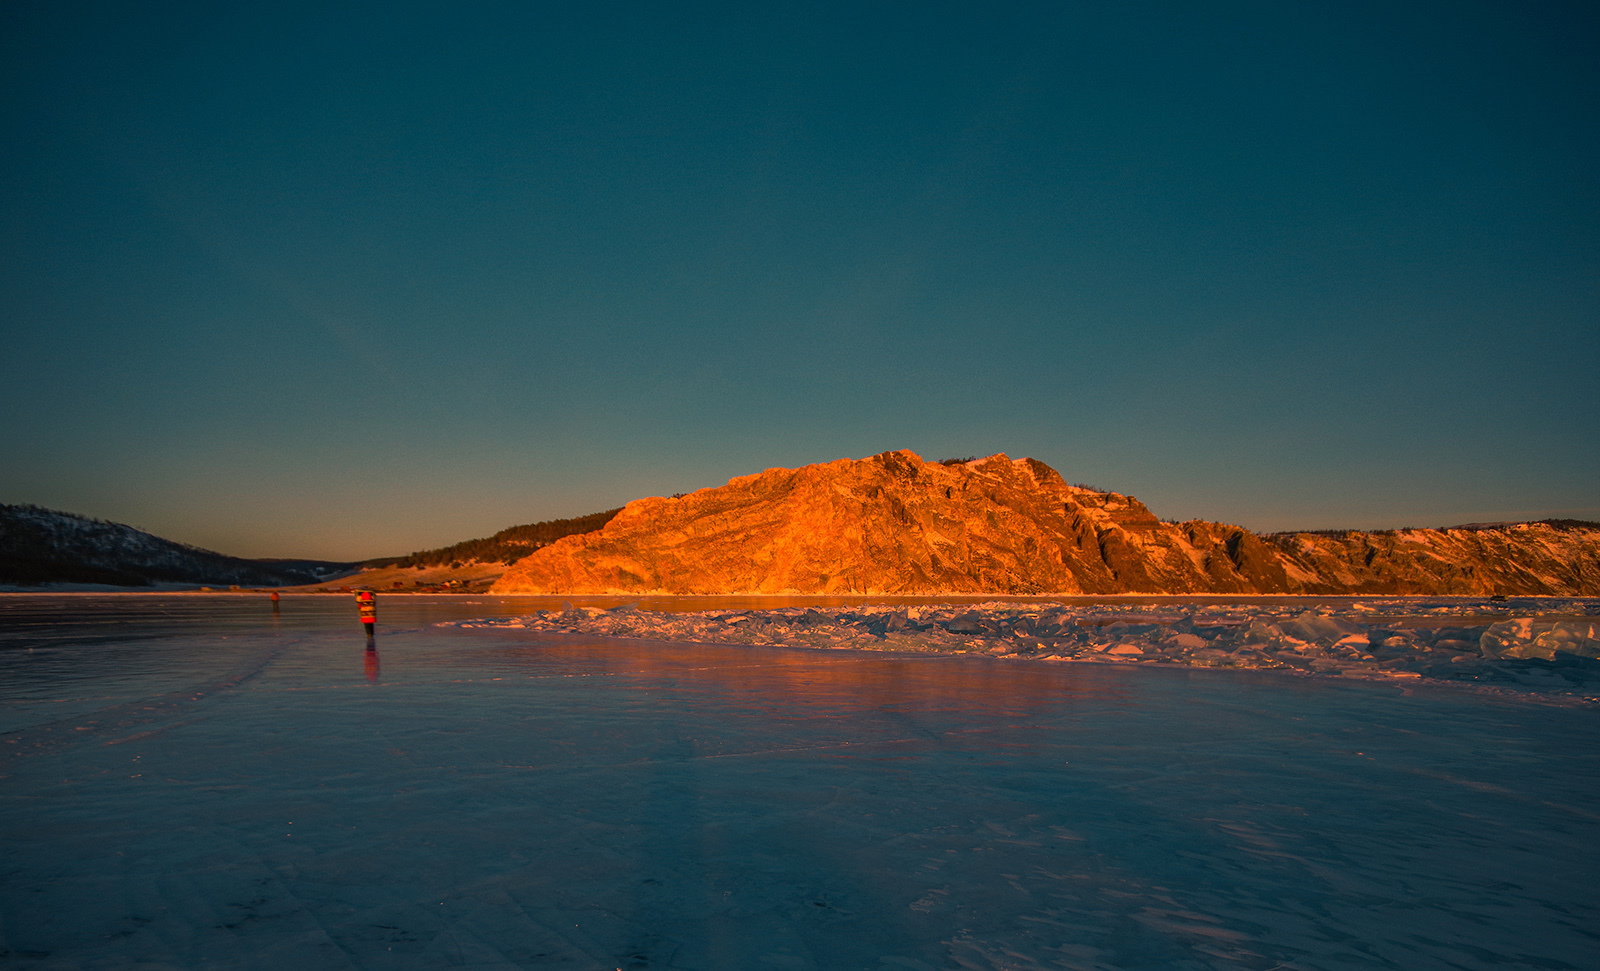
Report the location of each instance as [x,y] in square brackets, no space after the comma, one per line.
[780,683]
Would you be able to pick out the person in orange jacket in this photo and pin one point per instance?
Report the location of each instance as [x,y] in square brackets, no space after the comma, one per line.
[369,610]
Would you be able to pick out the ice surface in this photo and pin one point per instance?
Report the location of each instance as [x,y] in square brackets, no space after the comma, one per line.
[1392,638]
[197,784]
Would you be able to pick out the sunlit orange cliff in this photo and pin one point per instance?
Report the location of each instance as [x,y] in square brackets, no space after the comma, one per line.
[894,524]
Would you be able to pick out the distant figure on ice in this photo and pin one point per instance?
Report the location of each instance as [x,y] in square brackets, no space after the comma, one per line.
[369,610]
[274,601]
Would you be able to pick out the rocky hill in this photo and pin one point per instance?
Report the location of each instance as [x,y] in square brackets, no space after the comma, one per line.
[894,524]
[40,546]
[507,546]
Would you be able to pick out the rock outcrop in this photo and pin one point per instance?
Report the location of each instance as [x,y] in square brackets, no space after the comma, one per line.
[894,524]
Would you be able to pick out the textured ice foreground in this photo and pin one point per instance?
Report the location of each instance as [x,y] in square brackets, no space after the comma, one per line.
[189,784]
[1460,640]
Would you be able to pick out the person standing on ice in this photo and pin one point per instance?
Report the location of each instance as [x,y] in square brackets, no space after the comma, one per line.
[369,610]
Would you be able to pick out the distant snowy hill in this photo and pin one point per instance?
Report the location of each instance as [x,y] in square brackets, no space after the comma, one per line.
[40,545]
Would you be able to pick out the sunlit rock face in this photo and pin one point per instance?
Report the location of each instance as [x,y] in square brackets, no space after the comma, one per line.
[1524,558]
[894,524]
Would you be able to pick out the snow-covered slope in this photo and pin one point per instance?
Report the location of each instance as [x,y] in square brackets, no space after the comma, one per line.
[40,545]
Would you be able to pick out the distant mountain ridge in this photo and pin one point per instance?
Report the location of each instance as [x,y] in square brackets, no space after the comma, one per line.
[887,524]
[895,524]
[39,546]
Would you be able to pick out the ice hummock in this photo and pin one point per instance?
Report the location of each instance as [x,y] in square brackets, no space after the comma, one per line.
[1390,638]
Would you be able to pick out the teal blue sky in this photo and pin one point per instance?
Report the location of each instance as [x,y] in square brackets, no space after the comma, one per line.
[347,280]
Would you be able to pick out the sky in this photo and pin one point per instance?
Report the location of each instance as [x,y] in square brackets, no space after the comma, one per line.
[347,280]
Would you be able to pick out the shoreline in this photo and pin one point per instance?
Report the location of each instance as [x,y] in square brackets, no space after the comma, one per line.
[931,598]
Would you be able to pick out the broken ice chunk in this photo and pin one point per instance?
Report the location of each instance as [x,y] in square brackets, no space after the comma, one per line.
[1580,639]
[1509,638]
[1310,626]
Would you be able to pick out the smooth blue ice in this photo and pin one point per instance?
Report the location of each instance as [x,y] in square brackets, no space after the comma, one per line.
[190,782]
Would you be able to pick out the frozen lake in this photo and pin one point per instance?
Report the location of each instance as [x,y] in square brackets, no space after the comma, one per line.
[193,782]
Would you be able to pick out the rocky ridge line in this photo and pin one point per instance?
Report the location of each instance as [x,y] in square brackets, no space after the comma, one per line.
[895,524]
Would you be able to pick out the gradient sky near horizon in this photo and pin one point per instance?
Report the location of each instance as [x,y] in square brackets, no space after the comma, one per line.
[344,280]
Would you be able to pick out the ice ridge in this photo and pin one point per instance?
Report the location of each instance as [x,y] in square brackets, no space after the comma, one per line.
[1389,638]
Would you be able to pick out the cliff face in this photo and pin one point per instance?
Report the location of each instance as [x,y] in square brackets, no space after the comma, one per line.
[1526,558]
[893,523]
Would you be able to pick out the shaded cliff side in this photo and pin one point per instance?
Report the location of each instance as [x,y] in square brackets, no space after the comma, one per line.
[894,524]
